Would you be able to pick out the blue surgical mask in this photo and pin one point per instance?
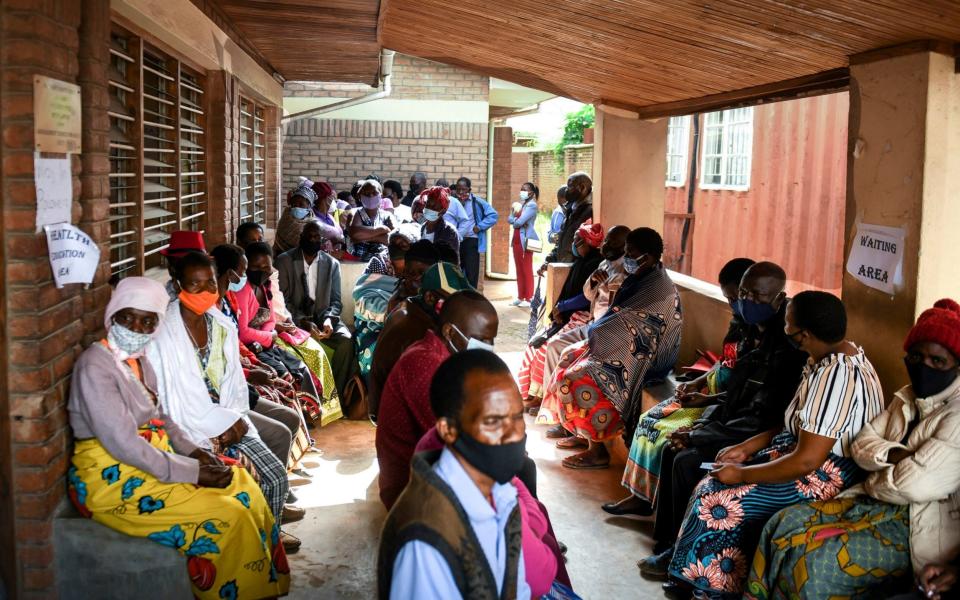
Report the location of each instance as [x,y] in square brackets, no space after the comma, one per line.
[299,213]
[430,215]
[236,287]
[127,340]
[630,265]
[755,313]
[573,248]
[524,195]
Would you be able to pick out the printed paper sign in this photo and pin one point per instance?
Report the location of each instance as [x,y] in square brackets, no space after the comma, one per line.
[54,184]
[876,258]
[57,115]
[73,254]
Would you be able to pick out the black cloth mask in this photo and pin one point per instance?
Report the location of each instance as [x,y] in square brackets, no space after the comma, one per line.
[310,247]
[256,277]
[927,381]
[501,462]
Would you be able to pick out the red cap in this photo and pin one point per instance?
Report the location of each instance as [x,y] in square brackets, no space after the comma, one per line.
[182,242]
[940,324]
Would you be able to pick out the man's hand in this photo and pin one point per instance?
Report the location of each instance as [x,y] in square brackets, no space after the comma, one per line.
[476,229]
[728,474]
[694,400]
[205,457]
[692,386]
[327,327]
[543,268]
[936,579]
[897,454]
[680,438]
[214,476]
[598,277]
[234,434]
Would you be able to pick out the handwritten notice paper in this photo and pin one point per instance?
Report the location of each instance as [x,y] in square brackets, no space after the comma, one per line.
[876,258]
[56,109]
[73,255]
[54,189]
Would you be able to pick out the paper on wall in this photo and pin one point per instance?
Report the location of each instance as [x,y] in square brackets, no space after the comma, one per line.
[73,254]
[876,258]
[54,183]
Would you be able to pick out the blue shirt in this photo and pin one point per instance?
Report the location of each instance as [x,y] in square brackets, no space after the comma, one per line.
[556,224]
[421,572]
[456,215]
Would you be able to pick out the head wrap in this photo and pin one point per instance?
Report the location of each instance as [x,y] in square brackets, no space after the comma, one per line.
[440,194]
[304,181]
[444,277]
[141,293]
[323,189]
[592,234]
[940,324]
[304,192]
[423,251]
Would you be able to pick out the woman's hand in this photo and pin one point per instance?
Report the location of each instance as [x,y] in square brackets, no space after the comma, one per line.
[598,277]
[728,474]
[734,454]
[936,579]
[214,476]
[680,438]
[205,457]
[694,400]
[286,327]
[234,434]
[692,386]
[259,377]
[543,268]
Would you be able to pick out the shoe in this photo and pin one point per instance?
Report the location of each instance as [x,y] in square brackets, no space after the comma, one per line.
[562,547]
[676,590]
[516,302]
[628,506]
[655,567]
[523,304]
[292,514]
[556,432]
[291,497]
[291,544]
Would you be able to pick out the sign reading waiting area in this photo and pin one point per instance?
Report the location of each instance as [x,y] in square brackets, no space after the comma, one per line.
[876,258]
[73,254]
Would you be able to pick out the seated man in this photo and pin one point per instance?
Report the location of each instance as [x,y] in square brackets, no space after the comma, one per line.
[454,532]
[758,390]
[310,283]
[408,323]
[635,342]
[466,320]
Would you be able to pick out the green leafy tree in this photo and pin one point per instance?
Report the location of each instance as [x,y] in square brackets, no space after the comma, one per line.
[573,128]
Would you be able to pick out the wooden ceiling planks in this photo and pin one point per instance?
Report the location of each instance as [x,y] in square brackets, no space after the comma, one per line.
[312,40]
[648,52]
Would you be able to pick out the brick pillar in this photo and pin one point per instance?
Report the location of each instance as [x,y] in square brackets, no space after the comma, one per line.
[273,138]
[42,326]
[224,180]
[501,198]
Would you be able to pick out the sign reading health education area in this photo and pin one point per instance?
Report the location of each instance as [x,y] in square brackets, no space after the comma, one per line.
[876,259]
[73,254]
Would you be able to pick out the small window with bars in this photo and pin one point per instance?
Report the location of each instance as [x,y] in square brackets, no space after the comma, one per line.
[727,149]
[252,162]
[678,146]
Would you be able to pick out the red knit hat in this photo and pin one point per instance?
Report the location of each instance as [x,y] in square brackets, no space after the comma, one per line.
[940,324]
[440,194]
[592,234]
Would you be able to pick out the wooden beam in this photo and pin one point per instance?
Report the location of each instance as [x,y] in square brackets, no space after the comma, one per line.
[215,13]
[939,46]
[827,82]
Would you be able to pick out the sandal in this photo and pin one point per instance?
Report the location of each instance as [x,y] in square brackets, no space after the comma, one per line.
[580,462]
[557,432]
[572,443]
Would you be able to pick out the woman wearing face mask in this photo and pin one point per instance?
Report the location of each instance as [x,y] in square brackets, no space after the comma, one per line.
[370,225]
[523,218]
[130,462]
[435,227]
[298,213]
[325,211]
[902,517]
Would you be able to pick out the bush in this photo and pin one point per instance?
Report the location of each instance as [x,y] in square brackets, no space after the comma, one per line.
[576,122]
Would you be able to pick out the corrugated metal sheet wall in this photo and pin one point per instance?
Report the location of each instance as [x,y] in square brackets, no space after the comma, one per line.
[793,213]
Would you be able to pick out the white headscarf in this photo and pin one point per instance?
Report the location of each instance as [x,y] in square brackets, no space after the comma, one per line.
[141,293]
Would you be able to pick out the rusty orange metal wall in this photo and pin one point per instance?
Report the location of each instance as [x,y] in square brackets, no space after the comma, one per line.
[793,213]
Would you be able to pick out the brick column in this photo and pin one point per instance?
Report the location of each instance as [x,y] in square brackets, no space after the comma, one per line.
[273,138]
[501,198]
[223,187]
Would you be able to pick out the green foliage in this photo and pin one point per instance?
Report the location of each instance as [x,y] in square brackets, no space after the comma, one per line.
[573,128]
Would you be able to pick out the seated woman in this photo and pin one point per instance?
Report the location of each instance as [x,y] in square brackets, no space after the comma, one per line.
[809,458]
[593,281]
[636,341]
[903,515]
[197,358]
[259,329]
[370,225]
[299,212]
[136,471]
[325,211]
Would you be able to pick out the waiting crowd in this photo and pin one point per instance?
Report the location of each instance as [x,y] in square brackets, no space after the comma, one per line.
[780,472]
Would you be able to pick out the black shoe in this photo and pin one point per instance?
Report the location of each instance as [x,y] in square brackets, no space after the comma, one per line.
[291,497]
[655,567]
[676,590]
[562,547]
[622,507]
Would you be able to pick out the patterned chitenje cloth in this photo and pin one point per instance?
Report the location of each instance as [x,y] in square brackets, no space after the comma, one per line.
[642,473]
[371,298]
[229,536]
[531,375]
[842,548]
[723,522]
[317,359]
[636,340]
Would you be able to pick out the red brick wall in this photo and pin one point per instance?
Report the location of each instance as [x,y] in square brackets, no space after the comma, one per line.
[342,151]
[502,198]
[43,327]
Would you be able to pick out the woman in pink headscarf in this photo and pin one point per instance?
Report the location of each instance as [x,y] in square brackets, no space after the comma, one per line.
[136,471]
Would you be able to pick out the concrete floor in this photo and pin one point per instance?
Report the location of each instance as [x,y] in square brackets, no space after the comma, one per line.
[341,531]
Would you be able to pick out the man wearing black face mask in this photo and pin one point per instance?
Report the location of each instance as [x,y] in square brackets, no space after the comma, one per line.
[460,506]
[310,283]
[418,183]
[577,211]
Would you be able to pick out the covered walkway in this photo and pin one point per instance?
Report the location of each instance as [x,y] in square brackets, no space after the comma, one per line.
[341,531]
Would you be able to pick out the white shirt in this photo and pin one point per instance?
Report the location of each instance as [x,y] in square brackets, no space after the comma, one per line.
[312,271]
[428,236]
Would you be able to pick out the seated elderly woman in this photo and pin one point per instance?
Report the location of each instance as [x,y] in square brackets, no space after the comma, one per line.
[131,460]
[299,212]
[196,355]
[370,225]
[808,458]
[864,543]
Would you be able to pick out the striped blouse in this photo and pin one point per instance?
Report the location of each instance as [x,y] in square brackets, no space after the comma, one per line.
[837,397]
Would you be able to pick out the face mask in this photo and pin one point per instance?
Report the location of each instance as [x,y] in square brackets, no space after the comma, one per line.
[256,278]
[630,265]
[472,343]
[613,254]
[236,287]
[571,195]
[524,195]
[371,202]
[198,303]
[500,463]
[573,248]
[299,213]
[792,339]
[430,215]
[755,313]
[927,381]
[311,247]
[396,253]
[127,340]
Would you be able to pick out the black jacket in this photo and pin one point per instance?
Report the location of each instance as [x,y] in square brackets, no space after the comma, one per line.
[573,219]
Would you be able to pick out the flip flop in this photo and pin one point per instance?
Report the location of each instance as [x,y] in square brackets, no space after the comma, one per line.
[572,443]
[577,462]
[557,432]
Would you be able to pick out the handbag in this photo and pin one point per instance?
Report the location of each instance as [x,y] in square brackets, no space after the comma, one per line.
[533,246]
